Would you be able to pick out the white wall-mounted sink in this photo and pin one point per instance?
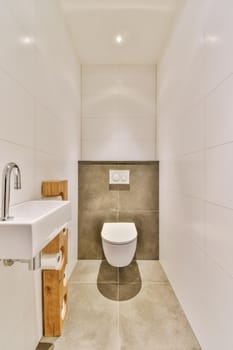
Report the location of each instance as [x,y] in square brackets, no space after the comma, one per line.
[33,226]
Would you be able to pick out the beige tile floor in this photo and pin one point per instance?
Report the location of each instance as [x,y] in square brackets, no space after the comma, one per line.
[132,308]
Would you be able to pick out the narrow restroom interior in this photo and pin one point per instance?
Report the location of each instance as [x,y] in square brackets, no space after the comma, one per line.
[120,113]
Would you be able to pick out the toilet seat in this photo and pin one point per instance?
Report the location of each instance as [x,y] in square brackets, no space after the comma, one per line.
[119,233]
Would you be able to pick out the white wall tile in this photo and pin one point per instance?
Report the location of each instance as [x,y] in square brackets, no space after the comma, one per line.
[47,167]
[16,112]
[140,79]
[193,129]
[218,43]
[40,131]
[219,174]
[99,80]
[99,128]
[99,150]
[122,100]
[219,239]
[170,179]
[73,138]
[196,171]
[57,91]
[136,149]
[23,11]
[99,106]
[133,103]
[217,308]
[58,75]
[136,128]
[185,276]
[191,174]
[219,110]
[17,55]
[194,220]
[50,133]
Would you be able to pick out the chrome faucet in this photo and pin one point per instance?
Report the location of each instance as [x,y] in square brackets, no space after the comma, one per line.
[6,177]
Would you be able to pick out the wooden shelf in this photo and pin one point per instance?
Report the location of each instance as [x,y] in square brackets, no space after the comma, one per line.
[55,188]
[55,289]
[59,243]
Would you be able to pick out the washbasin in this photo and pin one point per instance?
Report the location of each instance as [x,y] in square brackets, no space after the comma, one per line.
[32,226]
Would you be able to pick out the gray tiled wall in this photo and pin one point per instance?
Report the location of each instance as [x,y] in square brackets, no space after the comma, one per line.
[99,202]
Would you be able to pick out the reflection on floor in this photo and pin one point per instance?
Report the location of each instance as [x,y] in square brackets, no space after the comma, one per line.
[126,281]
[132,308]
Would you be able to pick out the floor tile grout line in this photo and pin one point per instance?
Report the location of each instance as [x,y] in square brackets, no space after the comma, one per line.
[118,307]
[118,323]
[94,283]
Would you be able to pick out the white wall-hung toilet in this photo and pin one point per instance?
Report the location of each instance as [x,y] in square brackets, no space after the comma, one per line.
[119,241]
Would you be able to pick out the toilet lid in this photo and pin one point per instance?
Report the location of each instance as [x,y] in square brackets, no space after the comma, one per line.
[119,232]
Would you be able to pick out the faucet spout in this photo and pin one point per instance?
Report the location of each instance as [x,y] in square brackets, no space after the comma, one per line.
[6,177]
[17,178]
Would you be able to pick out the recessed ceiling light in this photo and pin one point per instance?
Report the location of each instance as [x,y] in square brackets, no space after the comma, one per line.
[27,40]
[212,38]
[119,39]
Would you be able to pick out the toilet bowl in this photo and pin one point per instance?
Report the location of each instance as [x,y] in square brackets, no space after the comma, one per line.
[119,241]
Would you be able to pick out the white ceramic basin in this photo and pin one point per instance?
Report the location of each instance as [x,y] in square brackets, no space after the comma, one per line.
[33,226]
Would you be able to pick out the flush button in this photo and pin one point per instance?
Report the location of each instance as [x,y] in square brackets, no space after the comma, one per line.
[119,177]
[116,177]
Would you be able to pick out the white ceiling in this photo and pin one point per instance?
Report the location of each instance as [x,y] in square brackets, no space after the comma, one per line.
[143,24]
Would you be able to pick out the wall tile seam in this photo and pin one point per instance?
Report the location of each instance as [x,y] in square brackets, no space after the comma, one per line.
[118,119]
[81,111]
[116,138]
[217,263]
[202,149]
[227,77]
[118,97]
[31,148]
[218,205]
[210,147]
[51,113]
[205,172]
[114,283]
[34,129]
[204,249]
[210,257]
[156,138]
[192,106]
[18,82]
[205,95]
[69,39]
[33,96]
